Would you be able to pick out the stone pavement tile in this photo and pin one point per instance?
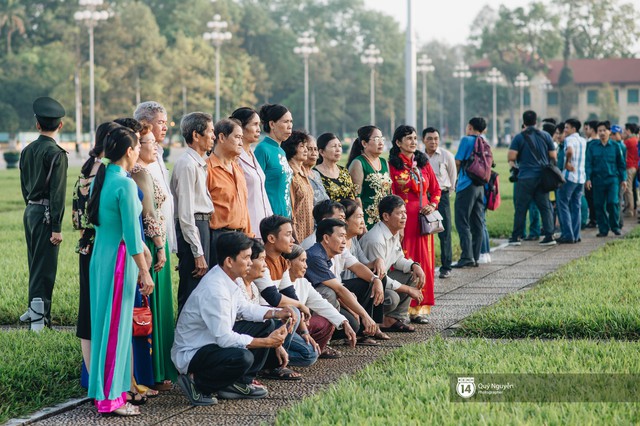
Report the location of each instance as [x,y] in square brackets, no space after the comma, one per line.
[487,300]
[218,419]
[516,282]
[467,290]
[451,298]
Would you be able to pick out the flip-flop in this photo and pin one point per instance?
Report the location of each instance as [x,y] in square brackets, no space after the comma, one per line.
[280,374]
[399,327]
[367,341]
[136,398]
[420,320]
[380,335]
[330,353]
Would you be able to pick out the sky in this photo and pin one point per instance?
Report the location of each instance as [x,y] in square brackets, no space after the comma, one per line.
[446,20]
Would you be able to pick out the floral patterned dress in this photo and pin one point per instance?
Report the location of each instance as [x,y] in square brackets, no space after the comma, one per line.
[161,299]
[407,183]
[340,188]
[375,186]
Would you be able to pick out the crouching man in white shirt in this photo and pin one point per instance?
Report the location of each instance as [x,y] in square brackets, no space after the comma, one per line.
[210,356]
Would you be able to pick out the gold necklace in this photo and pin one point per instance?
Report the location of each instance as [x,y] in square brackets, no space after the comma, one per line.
[370,161]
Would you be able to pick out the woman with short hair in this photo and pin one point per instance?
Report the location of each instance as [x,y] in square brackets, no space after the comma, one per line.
[155,232]
[253,174]
[278,124]
[335,178]
[295,148]
[369,172]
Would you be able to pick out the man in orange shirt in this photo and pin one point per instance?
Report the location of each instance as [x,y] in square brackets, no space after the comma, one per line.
[227,185]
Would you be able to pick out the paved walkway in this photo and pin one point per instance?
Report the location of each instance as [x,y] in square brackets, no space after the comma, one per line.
[512,269]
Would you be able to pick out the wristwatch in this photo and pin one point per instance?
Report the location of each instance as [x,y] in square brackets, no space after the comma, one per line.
[375,277]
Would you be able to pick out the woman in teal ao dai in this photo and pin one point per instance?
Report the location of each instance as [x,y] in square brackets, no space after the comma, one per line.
[116,267]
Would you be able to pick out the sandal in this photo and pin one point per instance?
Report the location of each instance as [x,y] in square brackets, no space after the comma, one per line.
[145,391]
[420,319]
[162,386]
[135,398]
[330,353]
[280,374]
[367,341]
[399,327]
[126,410]
[380,335]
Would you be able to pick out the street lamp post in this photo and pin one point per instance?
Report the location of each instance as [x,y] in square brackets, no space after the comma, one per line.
[424,67]
[521,82]
[494,77]
[306,47]
[462,72]
[90,17]
[545,86]
[217,36]
[372,58]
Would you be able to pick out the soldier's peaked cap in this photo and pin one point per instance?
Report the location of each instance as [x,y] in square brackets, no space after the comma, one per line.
[46,107]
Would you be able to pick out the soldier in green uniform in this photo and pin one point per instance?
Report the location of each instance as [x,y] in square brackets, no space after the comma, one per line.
[606,171]
[43,179]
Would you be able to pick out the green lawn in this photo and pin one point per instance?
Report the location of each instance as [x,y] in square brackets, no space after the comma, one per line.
[596,297]
[38,370]
[411,385]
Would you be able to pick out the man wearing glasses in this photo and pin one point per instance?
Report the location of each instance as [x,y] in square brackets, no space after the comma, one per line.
[444,165]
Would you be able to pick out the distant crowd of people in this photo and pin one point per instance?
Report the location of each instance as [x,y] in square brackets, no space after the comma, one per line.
[281,250]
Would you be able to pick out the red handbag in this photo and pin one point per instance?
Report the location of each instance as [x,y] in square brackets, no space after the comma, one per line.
[142,319]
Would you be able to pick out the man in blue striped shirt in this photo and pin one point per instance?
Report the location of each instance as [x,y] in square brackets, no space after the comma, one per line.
[569,196]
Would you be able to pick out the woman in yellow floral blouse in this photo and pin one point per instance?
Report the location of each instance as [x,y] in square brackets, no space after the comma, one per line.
[369,172]
[336,179]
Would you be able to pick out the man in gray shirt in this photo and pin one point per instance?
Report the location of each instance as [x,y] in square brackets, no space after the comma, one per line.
[193,205]
[444,165]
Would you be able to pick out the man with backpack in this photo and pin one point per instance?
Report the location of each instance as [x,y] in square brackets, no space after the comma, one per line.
[532,149]
[473,161]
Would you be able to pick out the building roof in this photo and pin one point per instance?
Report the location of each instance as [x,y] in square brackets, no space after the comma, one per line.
[589,71]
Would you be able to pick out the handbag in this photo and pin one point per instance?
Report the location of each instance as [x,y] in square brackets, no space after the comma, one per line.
[429,223]
[142,319]
[550,177]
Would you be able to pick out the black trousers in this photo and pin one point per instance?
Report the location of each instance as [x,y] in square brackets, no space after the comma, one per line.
[529,189]
[187,263]
[215,368]
[83,327]
[469,208]
[42,257]
[446,253]
[362,290]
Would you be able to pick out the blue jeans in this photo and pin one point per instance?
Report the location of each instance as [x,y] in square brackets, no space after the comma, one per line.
[485,248]
[301,354]
[569,204]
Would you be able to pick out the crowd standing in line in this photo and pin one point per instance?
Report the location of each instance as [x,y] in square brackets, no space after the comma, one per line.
[281,250]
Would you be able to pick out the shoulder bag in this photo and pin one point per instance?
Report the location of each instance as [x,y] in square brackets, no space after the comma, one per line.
[429,223]
[551,177]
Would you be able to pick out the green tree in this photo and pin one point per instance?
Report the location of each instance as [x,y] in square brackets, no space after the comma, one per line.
[607,104]
[600,28]
[12,19]
[521,40]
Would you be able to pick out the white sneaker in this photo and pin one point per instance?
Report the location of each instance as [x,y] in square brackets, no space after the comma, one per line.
[484,258]
[26,317]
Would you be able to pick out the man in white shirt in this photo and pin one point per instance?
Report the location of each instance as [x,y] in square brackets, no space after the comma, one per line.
[209,355]
[569,195]
[444,165]
[383,241]
[193,203]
